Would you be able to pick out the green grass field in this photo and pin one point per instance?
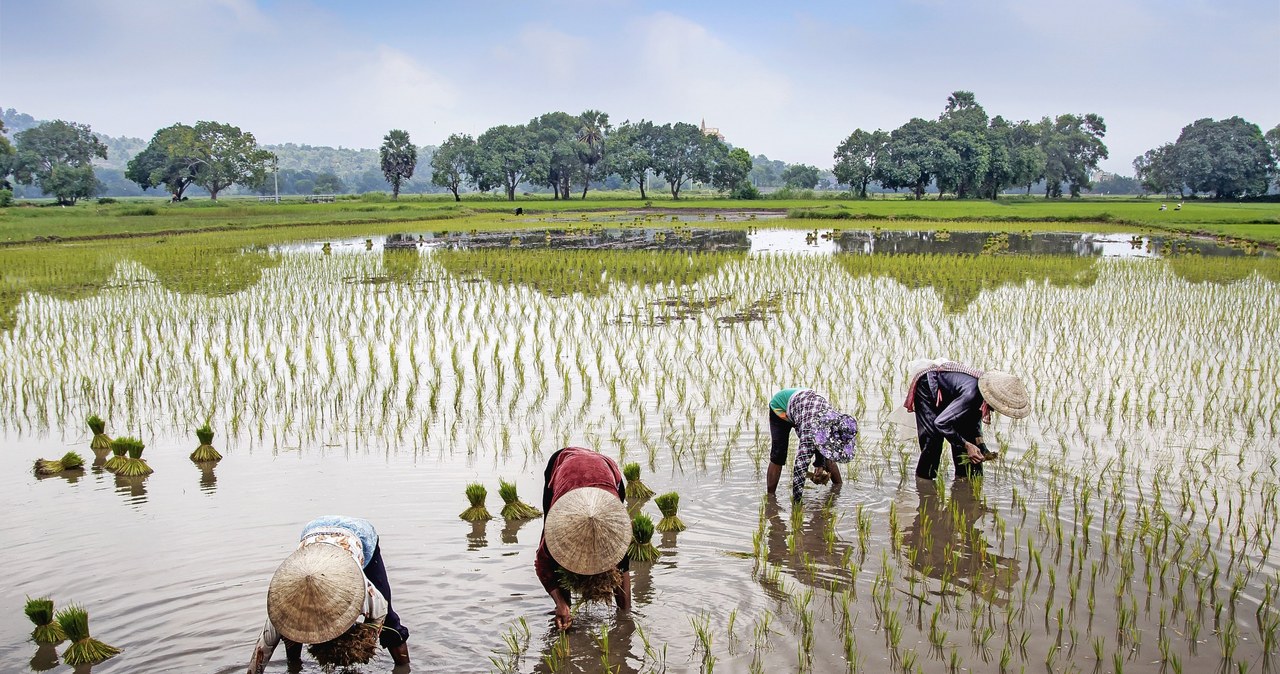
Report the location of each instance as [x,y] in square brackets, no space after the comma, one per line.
[142,217]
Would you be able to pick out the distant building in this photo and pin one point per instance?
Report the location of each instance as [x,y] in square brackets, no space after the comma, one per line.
[711,130]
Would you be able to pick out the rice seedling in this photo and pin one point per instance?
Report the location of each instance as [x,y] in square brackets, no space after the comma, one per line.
[120,448]
[205,451]
[100,441]
[134,465]
[669,504]
[641,548]
[477,512]
[513,508]
[84,649]
[69,461]
[636,490]
[356,646]
[47,630]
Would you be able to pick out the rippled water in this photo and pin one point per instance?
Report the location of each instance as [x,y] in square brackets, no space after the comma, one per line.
[379,382]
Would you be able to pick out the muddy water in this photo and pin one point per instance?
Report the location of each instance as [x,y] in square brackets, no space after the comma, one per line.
[1155,395]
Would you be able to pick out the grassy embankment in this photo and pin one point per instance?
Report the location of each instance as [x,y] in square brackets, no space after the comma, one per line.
[376,214]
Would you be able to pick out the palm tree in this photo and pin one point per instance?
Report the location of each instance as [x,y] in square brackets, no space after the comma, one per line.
[594,127]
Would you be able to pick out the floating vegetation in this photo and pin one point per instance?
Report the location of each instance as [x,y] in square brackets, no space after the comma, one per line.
[669,503]
[47,630]
[476,494]
[84,649]
[642,548]
[69,461]
[101,442]
[356,646]
[205,452]
[635,488]
[134,466]
[513,508]
[120,448]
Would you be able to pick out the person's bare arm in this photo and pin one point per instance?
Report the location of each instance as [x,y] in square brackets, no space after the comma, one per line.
[564,615]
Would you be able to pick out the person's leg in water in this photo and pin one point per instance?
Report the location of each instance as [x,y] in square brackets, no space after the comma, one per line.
[780,436]
[927,431]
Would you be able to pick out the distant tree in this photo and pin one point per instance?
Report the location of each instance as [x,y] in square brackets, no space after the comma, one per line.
[172,159]
[228,156]
[450,162]
[1273,140]
[857,157]
[915,155]
[766,172]
[629,152]
[680,154]
[1157,172]
[1073,147]
[328,183]
[593,130]
[1228,158]
[504,157]
[399,158]
[6,158]
[1027,158]
[56,156]
[963,128]
[555,151]
[801,175]
[731,167]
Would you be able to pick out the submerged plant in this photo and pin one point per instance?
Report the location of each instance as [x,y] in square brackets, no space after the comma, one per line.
[47,630]
[100,442]
[356,646]
[635,488]
[205,452]
[476,494]
[119,452]
[134,466]
[641,548]
[69,461]
[84,649]
[669,503]
[514,508]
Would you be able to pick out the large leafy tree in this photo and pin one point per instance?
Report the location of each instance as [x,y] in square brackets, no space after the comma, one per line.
[681,155]
[556,152]
[915,155]
[1157,171]
[593,131]
[1273,141]
[629,152]
[399,158]
[963,127]
[6,158]
[171,159]
[213,155]
[1073,147]
[731,167]
[450,163]
[1228,158]
[801,175]
[857,157]
[56,156]
[504,157]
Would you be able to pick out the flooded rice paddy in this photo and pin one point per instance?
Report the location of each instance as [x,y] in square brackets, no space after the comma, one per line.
[1127,526]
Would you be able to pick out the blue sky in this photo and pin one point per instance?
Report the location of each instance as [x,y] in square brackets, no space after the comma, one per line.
[786,80]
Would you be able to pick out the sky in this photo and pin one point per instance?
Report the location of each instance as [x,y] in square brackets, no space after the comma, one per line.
[788,80]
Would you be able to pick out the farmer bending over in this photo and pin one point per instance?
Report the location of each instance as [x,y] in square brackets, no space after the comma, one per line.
[585,532]
[332,580]
[827,436]
[949,399]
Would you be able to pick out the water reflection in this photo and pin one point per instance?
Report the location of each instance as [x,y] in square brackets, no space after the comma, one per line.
[100,457]
[133,487]
[200,268]
[71,475]
[46,658]
[478,538]
[806,546]
[581,647]
[511,529]
[944,542]
[208,479]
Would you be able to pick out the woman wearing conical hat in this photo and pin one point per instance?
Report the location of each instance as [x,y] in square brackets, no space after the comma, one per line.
[332,581]
[950,400]
[585,532]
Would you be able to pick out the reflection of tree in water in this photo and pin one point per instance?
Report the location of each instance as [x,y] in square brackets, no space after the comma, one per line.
[1223,270]
[945,543]
[63,272]
[557,273]
[212,269]
[960,279]
[401,265]
[805,545]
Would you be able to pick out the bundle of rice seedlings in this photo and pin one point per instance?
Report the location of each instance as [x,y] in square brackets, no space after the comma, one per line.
[514,508]
[599,587]
[356,646]
[134,466]
[119,452]
[641,548]
[84,649]
[669,503]
[476,493]
[100,442]
[69,461]
[47,631]
[635,488]
[205,452]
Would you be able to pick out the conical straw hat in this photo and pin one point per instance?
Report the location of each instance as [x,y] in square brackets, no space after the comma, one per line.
[316,594]
[588,530]
[1005,393]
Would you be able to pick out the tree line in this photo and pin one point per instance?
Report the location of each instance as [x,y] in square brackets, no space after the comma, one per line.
[1230,158]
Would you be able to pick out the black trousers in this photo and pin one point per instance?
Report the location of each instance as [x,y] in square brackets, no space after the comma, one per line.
[931,439]
[393,633]
[780,434]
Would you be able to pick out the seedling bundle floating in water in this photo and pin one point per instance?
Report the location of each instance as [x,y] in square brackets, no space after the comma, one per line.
[641,548]
[476,494]
[47,630]
[119,453]
[514,508]
[133,466]
[635,488]
[205,452]
[100,442]
[84,649]
[669,503]
[69,461]
[356,646]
